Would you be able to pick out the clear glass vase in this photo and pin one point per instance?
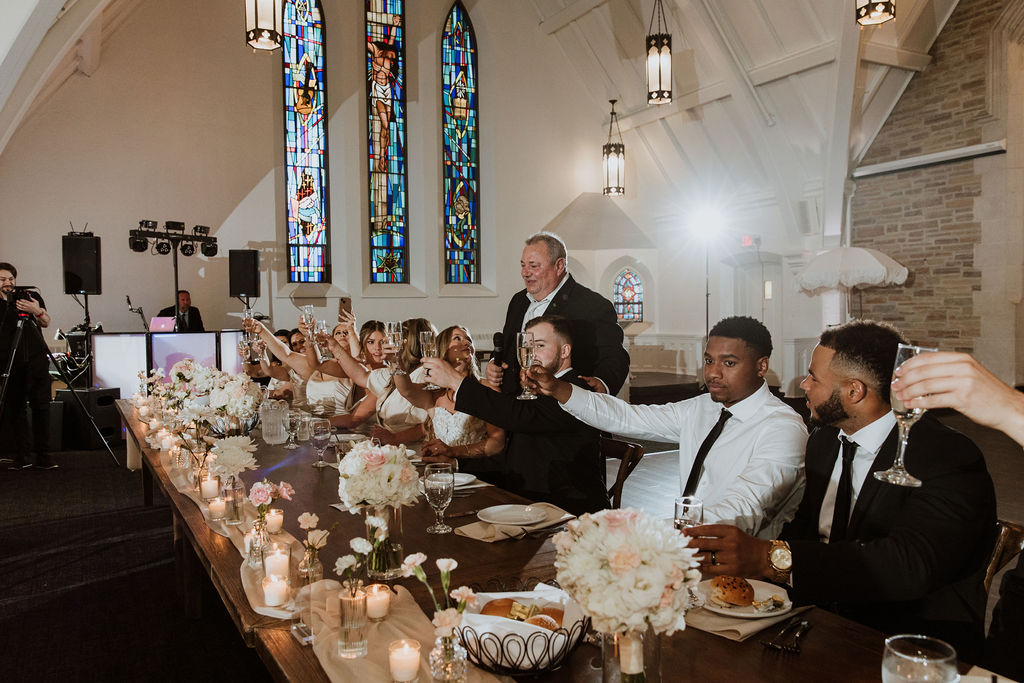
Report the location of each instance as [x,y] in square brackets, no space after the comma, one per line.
[631,657]
[352,614]
[385,561]
[258,541]
[309,572]
[448,660]
[234,498]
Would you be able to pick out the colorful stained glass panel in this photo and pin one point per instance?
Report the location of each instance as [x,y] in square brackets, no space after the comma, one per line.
[628,297]
[460,147]
[386,154]
[305,140]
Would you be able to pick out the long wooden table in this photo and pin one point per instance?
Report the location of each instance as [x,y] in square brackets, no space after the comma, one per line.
[835,648]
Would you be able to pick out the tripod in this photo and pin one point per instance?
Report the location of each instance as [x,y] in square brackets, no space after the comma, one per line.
[19,330]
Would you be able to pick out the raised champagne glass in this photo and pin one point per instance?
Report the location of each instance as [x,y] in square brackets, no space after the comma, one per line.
[525,349]
[428,349]
[905,419]
[439,487]
[396,336]
[320,437]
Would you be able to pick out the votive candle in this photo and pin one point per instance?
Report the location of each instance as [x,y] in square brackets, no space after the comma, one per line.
[276,560]
[275,518]
[218,506]
[209,488]
[378,600]
[404,659]
[275,590]
[143,411]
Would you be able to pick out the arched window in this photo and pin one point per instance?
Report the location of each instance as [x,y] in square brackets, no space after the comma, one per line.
[459,145]
[305,142]
[385,105]
[628,296]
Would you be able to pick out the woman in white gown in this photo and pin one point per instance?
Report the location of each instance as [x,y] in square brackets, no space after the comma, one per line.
[367,354]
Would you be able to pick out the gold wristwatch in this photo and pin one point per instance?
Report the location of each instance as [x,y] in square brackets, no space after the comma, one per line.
[780,560]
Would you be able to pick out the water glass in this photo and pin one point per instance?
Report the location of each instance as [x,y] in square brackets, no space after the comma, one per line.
[320,438]
[439,487]
[918,659]
[689,512]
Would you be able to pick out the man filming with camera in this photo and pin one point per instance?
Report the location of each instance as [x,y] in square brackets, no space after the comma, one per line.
[29,377]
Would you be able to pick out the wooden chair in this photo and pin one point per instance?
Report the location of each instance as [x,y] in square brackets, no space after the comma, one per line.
[1009,544]
[629,455]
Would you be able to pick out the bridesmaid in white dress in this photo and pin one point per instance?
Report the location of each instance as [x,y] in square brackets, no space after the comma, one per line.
[456,435]
[366,355]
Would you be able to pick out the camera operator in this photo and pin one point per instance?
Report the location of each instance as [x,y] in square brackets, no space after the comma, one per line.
[29,378]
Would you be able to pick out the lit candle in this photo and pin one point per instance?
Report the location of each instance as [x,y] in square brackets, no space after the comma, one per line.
[378,599]
[143,411]
[276,561]
[218,506]
[275,590]
[155,424]
[209,487]
[404,659]
[275,518]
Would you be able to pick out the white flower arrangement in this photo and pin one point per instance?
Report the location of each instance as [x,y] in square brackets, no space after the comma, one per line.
[626,571]
[447,616]
[376,475]
[235,395]
[232,455]
[316,539]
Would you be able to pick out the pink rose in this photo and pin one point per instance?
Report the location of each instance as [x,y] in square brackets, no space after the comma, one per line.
[407,475]
[374,460]
[619,520]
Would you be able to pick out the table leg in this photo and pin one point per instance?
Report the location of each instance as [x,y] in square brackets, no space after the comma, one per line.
[147,486]
[188,572]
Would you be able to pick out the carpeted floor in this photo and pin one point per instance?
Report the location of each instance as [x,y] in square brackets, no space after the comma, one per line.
[88,584]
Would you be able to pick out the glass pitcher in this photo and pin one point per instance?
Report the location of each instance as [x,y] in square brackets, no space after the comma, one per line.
[274,419]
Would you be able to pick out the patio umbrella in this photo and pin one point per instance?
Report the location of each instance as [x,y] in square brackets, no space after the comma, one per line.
[849,268]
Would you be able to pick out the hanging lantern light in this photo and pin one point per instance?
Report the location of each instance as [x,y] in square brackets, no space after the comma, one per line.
[264,23]
[659,58]
[613,159]
[873,12]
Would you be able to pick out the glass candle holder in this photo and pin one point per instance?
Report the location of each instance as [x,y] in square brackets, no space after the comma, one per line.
[378,601]
[404,660]
[275,520]
[277,559]
[275,590]
[218,508]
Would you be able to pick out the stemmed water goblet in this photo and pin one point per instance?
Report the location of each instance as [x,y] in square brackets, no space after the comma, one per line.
[294,418]
[905,419]
[525,349]
[439,487]
[320,437]
[428,349]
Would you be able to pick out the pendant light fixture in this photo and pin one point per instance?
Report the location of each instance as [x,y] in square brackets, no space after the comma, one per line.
[659,58]
[874,12]
[613,159]
[264,23]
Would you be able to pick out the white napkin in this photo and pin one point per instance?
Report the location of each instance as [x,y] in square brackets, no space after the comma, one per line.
[483,531]
[735,628]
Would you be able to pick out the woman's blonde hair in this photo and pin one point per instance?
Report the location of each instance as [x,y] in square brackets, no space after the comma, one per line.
[410,355]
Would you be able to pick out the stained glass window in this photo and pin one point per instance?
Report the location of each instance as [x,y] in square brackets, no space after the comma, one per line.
[459,145]
[385,99]
[628,296]
[305,142]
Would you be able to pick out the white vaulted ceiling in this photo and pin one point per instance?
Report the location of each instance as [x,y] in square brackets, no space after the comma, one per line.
[774,101]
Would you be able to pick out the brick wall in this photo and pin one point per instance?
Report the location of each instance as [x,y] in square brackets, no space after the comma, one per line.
[925,218]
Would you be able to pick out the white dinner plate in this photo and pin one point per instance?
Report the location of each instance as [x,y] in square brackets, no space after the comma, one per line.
[349,437]
[512,514]
[762,591]
[463,478]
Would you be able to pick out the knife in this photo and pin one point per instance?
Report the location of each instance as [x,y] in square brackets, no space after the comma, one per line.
[467,513]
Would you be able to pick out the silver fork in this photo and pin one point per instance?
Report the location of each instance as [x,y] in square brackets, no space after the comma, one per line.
[794,647]
[774,643]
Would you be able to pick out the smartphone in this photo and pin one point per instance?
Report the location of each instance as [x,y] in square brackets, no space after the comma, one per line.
[344,304]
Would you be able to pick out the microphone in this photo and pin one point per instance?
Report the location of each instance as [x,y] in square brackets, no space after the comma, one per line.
[129,300]
[499,341]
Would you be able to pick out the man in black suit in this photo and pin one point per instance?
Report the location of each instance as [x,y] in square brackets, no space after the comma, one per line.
[598,355]
[898,559]
[550,455]
[187,316]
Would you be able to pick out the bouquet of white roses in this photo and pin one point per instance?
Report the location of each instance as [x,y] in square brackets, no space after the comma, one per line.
[235,395]
[626,571]
[376,475]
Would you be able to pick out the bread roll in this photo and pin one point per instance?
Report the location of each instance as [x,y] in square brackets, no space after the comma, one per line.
[497,608]
[544,621]
[732,590]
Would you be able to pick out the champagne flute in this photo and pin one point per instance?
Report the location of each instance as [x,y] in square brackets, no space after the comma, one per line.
[428,349]
[913,658]
[294,418]
[439,487]
[525,349]
[248,333]
[308,316]
[396,336]
[905,419]
[320,437]
[322,351]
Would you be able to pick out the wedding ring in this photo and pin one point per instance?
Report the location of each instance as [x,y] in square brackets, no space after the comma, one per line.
[714,558]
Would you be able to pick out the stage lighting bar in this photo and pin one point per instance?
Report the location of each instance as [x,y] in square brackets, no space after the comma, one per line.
[172,237]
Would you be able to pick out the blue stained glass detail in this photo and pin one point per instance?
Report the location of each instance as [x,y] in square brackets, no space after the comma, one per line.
[628,296]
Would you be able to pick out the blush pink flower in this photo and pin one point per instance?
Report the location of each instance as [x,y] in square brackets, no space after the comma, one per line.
[623,560]
[445,622]
[285,490]
[446,564]
[260,494]
[619,520]
[464,594]
[374,460]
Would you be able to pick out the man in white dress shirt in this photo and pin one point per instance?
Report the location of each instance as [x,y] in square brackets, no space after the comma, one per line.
[741,449]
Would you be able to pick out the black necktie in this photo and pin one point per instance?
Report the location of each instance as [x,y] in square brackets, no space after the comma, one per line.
[841,514]
[702,453]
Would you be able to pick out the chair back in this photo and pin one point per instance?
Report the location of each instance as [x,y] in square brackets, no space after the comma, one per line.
[629,455]
[1009,544]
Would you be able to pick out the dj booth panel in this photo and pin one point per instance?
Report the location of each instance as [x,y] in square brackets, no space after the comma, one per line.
[117,360]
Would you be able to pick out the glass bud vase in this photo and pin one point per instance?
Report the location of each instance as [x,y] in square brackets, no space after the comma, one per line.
[234,497]
[309,573]
[258,542]
[632,657]
[385,561]
[352,614]
[448,660]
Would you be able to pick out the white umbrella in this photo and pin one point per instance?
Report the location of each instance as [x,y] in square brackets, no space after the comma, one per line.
[845,268]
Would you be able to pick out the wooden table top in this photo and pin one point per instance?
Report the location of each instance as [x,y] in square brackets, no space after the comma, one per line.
[834,648]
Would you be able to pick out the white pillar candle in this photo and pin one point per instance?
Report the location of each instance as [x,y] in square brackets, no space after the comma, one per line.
[209,487]
[275,518]
[275,590]
[218,506]
[378,599]
[404,659]
[276,560]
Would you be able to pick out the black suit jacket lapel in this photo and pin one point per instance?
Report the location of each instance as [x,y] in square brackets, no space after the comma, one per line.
[561,299]
[819,471]
[871,486]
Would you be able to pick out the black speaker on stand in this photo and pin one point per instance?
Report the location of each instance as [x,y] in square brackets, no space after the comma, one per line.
[244,273]
[81,263]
